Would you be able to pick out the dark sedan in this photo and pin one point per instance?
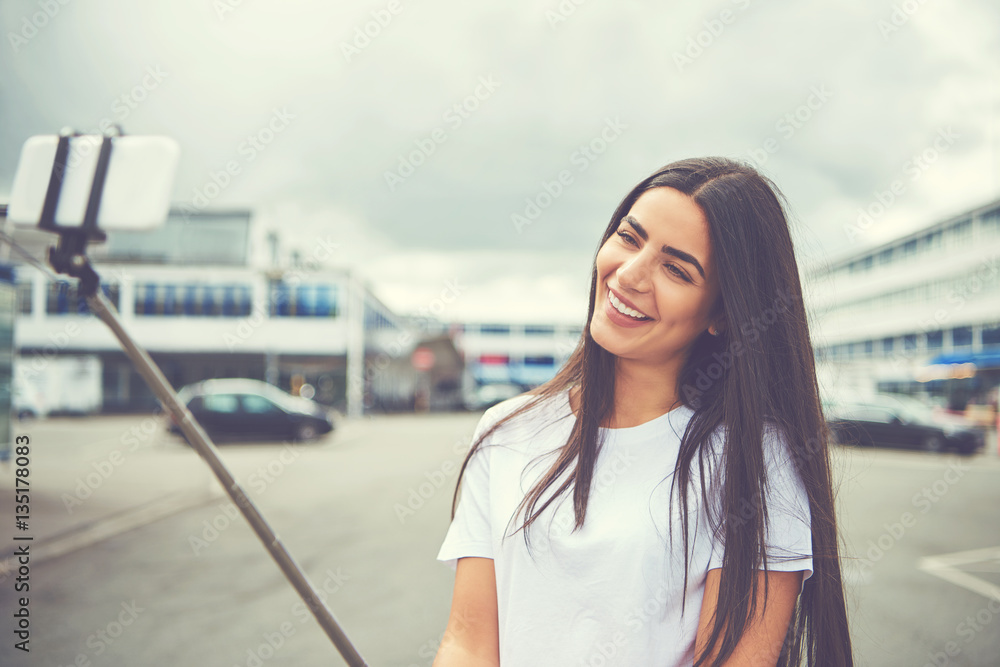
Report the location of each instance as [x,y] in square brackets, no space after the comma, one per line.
[898,421]
[239,409]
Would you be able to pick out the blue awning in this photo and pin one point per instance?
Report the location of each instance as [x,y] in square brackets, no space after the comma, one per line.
[984,359]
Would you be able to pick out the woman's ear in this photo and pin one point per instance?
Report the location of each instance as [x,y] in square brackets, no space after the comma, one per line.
[718,320]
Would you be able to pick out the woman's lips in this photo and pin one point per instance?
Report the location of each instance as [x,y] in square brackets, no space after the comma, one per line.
[618,318]
[628,304]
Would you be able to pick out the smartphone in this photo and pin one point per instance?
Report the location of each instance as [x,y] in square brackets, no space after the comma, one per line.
[137,189]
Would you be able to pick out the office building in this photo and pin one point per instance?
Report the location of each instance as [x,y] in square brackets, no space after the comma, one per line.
[919,314]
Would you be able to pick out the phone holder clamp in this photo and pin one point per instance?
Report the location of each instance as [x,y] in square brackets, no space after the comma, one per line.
[69,256]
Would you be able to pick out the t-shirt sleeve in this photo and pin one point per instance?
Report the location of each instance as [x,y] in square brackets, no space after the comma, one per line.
[788,530]
[470,532]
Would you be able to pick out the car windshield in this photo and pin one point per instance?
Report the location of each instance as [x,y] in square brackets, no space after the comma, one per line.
[909,409]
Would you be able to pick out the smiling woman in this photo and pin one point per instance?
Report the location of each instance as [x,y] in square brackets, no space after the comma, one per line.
[677,363]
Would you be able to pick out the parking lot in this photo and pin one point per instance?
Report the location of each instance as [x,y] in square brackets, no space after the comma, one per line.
[139,558]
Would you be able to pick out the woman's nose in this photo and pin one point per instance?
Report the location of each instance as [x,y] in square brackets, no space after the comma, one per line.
[634,274]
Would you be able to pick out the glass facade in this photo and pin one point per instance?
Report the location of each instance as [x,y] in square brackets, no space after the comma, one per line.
[62,298]
[195,238]
[961,232]
[193,300]
[315,300]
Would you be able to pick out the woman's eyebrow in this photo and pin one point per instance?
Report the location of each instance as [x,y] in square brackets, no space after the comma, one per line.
[666,250]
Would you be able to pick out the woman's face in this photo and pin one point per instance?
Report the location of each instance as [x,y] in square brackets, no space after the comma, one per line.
[657,266]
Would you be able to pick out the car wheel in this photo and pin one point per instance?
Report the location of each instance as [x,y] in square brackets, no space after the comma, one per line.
[305,432]
[934,444]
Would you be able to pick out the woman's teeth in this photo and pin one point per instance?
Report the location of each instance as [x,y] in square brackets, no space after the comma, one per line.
[623,309]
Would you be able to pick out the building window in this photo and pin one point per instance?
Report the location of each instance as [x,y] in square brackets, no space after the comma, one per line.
[323,303]
[887,345]
[146,301]
[58,298]
[960,232]
[869,347]
[909,248]
[931,241]
[538,330]
[961,337]
[991,336]
[210,303]
[241,296]
[885,257]
[989,224]
[495,329]
[190,306]
[280,297]
[23,296]
[171,304]
[63,299]
[544,360]
[866,262]
[192,300]
[935,339]
[316,301]
[909,342]
[304,306]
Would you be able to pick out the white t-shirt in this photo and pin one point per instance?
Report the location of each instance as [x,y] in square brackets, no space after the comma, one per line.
[609,593]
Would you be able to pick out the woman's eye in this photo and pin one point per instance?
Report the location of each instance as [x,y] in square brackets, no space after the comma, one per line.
[677,272]
[625,235]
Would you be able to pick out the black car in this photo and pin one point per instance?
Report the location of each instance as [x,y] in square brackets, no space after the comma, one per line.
[240,409]
[893,420]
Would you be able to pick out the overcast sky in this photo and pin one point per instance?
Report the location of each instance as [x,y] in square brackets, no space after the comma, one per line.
[498,100]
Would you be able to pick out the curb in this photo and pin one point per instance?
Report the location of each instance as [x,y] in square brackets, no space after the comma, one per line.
[103,529]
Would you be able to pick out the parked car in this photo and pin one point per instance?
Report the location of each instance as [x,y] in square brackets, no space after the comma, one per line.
[27,403]
[488,395]
[894,420]
[241,409]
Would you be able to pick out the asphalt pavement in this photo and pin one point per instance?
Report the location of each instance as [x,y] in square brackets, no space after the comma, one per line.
[137,557]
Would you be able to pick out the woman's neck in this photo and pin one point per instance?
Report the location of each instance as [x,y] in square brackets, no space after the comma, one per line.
[641,394]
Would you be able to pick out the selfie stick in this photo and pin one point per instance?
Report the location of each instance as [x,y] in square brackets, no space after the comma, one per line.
[70,257]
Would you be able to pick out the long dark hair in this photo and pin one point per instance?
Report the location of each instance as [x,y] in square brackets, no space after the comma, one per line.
[758,369]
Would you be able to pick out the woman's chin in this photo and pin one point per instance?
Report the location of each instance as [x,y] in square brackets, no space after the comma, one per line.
[607,337]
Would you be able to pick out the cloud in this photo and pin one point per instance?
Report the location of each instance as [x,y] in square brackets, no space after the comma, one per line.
[359,113]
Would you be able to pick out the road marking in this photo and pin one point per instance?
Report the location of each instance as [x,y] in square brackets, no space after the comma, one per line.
[103,529]
[944,566]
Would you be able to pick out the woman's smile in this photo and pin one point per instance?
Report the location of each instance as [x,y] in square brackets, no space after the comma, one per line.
[621,314]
